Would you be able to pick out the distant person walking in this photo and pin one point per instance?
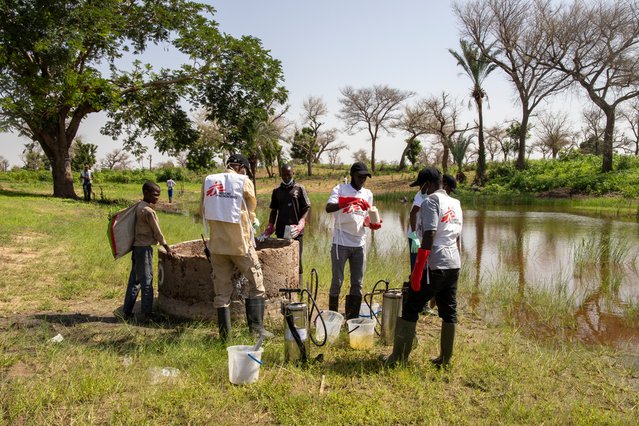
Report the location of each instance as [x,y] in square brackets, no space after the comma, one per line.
[170,184]
[289,207]
[147,234]
[86,177]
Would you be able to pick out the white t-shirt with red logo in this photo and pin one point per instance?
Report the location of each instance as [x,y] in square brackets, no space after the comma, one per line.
[417,202]
[349,227]
[443,214]
[223,197]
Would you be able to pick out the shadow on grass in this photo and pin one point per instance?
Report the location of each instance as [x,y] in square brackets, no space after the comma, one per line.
[69,320]
[13,193]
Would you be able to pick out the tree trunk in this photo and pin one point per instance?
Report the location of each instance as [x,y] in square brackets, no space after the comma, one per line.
[309,165]
[402,160]
[480,177]
[607,144]
[523,129]
[373,156]
[445,156]
[61,172]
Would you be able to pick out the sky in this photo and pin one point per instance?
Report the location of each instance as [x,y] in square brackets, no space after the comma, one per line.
[329,44]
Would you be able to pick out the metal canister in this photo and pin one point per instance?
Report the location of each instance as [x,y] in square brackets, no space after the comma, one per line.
[391,309]
[295,349]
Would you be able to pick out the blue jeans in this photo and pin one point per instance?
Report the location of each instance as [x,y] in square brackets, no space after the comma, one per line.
[357,261]
[140,278]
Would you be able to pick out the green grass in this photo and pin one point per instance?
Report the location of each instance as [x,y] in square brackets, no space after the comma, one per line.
[59,277]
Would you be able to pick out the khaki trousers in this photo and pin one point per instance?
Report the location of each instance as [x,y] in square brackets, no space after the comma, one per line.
[249,265]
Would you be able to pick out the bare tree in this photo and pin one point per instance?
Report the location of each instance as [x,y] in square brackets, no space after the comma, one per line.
[631,115]
[361,155]
[327,144]
[116,159]
[414,121]
[554,133]
[596,44]
[509,33]
[333,155]
[444,124]
[494,140]
[371,108]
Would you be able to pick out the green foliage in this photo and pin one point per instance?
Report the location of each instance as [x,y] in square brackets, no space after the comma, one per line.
[83,153]
[414,149]
[572,171]
[178,174]
[59,62]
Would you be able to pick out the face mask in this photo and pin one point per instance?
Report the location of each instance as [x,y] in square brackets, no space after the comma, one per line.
[289,183]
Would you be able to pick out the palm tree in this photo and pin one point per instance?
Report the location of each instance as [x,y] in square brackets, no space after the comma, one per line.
[477,67]
[458,148]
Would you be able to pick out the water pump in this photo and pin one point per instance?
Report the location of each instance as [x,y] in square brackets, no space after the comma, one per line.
[391,309]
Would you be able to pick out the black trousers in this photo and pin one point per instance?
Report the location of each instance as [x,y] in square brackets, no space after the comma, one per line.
[443,286]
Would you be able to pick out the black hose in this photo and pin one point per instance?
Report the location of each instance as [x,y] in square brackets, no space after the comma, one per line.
[311,301]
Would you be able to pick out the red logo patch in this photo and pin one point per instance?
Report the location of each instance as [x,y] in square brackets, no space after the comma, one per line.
[216,188]
[448,216]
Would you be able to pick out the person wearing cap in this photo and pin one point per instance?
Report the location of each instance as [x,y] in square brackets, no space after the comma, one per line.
[349,204]
[415,228]
[289,207]
[450,184]
[228,208]
[435,273]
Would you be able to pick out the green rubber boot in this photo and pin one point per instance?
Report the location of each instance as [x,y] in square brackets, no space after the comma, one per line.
[446,342]
[403,342]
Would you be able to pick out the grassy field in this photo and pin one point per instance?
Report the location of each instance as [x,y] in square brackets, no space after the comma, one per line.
[58,277]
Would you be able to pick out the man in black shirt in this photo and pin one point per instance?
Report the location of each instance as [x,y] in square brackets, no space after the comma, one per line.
[289,207]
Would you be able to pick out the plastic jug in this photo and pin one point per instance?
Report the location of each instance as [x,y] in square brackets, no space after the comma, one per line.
[244,364]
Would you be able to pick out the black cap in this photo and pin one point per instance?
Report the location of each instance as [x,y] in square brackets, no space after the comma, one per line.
[239,159]
[428,174]
[360,168]
[450,182]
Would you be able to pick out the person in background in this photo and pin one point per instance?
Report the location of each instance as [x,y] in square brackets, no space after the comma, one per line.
[349,203]
[289,206]
[436,271]
[415,229]
[228,206]
[450,184]
[86,177]
[147,234]
[170,184]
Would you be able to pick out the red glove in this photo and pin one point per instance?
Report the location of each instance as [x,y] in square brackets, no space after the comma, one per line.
[373,226]
[418,270]
[344,202]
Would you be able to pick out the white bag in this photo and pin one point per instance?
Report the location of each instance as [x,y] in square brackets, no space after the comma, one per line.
[121,231]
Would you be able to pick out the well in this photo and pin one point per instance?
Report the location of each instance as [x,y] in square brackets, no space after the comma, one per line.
[185,286]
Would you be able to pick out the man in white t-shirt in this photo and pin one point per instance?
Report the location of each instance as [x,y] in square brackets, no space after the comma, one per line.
[349,203]
[170,184]
[86,176]
[436,271]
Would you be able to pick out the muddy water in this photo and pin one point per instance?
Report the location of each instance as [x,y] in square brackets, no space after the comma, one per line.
[593,261]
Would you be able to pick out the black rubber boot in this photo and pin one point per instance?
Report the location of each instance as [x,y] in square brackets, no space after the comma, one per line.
[255,317]
[333,303]
[353,303]
[403,342]
[224,323]
[447,339]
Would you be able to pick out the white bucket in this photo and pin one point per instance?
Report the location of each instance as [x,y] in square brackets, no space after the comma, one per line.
[333,321]
[365,312]
[361,332]
[244,364]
